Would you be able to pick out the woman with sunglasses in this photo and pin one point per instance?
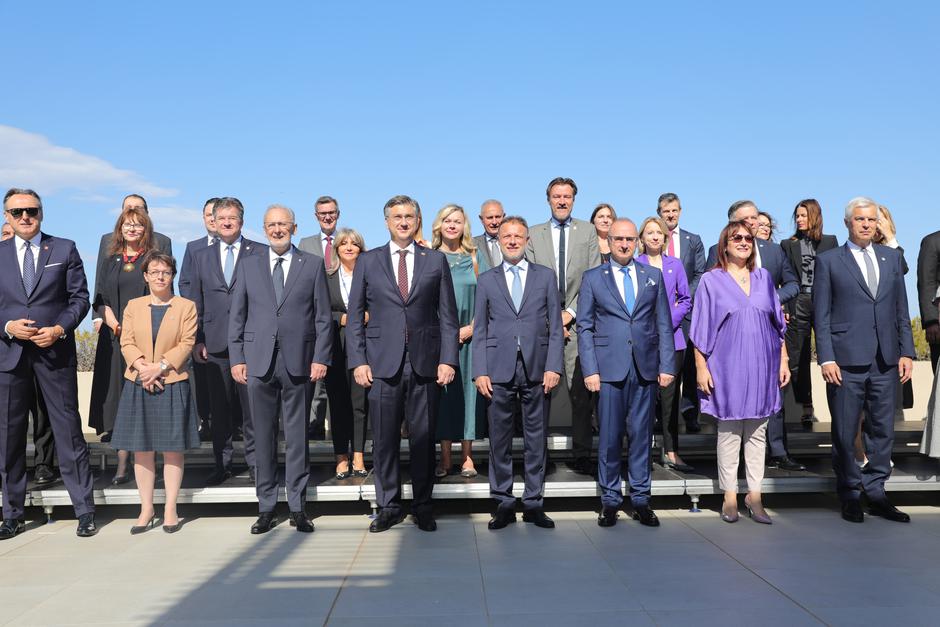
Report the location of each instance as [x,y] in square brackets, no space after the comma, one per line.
[741,362]
[120,280]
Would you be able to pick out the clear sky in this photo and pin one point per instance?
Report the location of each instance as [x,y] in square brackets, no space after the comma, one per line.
[286,101]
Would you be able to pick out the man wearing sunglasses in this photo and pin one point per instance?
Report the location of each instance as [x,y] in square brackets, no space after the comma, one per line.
[43,297]
[772,258]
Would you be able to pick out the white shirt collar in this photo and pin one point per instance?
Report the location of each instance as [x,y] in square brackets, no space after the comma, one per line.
[523,265]
[34,241]
[395,248]
[855,247]
[237,243]
[616,266]
[272,256]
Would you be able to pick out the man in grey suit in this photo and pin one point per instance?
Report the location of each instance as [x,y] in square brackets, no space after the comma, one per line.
[279,341]
[688,248]
[517,305]
[491,216]
[569,246]
[326,209]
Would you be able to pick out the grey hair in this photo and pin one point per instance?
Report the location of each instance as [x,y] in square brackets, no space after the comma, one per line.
[515,220]
[293,218]
[491,201]
[740,204]
[859,201]
[401,199]
[18,191]
[226,202]
[322,200]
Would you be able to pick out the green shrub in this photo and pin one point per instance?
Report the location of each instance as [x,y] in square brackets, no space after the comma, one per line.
[85,344]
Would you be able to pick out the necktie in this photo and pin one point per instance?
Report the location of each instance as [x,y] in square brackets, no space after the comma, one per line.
[328,252]
[277,275]
[402,275]
[229,268]
[561,264]
[213,241]
[496,255]
[671,250]
[29,268]
[516,291]
[871,278]
[628,296]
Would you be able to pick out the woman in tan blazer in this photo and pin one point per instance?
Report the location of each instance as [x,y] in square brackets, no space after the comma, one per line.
[155,412]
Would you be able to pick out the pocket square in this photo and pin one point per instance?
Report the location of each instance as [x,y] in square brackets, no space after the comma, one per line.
[650,282]
[51,265]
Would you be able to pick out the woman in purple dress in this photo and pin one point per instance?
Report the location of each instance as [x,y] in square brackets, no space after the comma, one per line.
[652,238]
[741,359]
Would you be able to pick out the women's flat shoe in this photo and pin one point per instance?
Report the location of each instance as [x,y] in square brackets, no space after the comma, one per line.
[138,529]
[173,528]
[764,519]
[360,472]
[468,473]
[438,472]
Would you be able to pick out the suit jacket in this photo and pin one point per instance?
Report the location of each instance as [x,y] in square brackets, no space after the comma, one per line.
[174,341]
[609,337]
[774,260]
[481,244]
[160,242]
[677,293]
[692,256]
[928,277]
[428,316]
[338,309]
[300,325]
[213,297]
[312,244]
[581,251]
[850,324]
[497,326]
[59,297]
[186,268]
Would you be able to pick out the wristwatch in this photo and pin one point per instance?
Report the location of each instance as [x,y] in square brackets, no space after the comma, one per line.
[163,365]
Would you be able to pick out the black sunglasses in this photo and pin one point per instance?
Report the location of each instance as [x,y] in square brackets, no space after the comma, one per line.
[32,212]
[736,238]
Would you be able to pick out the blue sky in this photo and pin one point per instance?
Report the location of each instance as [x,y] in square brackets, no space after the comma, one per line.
[283,102]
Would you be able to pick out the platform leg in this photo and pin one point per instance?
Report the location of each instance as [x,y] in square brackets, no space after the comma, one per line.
[694,509]
[373,504]
[104,459]
[48,511]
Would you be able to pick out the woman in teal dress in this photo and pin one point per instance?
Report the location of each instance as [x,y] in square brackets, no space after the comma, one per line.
[459,417]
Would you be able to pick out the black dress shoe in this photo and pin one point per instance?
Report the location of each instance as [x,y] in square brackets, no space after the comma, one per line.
[238,435]
[219,476]
[11,528]
[680,467]
[121,479]
[607,517]
[785,462]
[501,518]
[205,432]
[385,521]
[692,424]
[301,522]
[106,437]
[138,529]
[852,511]
[265,523]
[645,515]
[887,510]
[538,518]
[86,526]
[360,472]
[43,475]
[425,521]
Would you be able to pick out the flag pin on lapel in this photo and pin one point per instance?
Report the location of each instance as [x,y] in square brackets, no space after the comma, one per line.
[422,253]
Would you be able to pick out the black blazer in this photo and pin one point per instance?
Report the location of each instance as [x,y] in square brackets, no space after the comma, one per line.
[338,309]
[928,277]
[792,248]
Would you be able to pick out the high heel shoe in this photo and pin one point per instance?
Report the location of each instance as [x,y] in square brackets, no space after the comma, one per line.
[121,479]
[173,528]
[729,518]
[138,529]
[764,519]
[677,466]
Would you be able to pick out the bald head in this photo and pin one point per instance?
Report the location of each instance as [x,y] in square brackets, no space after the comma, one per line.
[622,238]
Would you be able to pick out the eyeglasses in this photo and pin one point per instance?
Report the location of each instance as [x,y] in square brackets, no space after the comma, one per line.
[402,218]
[738,238]
[132,227]
[327,214]
[155,274]
[278,225]
[32,212]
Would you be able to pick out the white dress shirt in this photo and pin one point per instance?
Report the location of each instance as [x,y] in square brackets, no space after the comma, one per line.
[858,254]
[409,261]
[523,266]
[237,246]
[676,243]
[285,265]
[21,252]
[345,282]
[618,279]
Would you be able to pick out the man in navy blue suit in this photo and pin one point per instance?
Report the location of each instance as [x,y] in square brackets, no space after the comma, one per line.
[864,346]
[626,345]
[517,307]
[200,389]
[772,258]
[405,354]
[280,343]
[43,297]
[213,272]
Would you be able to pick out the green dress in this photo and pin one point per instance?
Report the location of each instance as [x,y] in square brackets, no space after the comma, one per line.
[459,417]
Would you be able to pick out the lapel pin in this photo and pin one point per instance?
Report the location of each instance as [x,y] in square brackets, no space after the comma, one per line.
[606,272]
[882,258]
[422,253]
[47,248]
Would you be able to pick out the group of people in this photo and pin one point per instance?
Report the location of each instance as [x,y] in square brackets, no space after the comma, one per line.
[451,339]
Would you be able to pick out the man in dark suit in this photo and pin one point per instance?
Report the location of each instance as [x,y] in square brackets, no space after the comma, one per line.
[43,297]
[928,280]
[864,346]
[625,339]
[200,391]
[326,209]
[279,342]
[404,356]
[772,258]
[517,306]
[213,273]
[687,246]
[491,216]
[569,247]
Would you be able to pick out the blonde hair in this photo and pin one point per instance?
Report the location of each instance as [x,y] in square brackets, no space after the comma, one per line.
[341,237]
[466,240]
[662,226]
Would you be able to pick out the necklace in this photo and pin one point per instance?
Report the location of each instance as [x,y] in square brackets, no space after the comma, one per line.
[742,279]
[129,260]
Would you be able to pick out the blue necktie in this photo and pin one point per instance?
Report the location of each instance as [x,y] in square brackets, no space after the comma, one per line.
[229,268]
[628,296]
[29,268]
[516,291]
[870,276]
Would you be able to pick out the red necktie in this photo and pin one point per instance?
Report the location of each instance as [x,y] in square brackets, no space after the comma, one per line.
[328,251]
[671,251]
[402,275]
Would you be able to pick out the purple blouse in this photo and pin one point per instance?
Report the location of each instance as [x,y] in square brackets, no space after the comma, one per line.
[677,291]
[740,337]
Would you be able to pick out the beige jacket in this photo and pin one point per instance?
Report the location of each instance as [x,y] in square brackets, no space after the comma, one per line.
[175,338]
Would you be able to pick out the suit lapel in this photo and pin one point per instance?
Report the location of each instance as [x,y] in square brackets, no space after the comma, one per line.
[526,290]
[246,250]
[504,289]
[421,258]
[386,263]
[641,278]
[296,267]
[263,263]
[882,262]
[46,244]
[849,260]
[546,235]
[611,280]
[572,236]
